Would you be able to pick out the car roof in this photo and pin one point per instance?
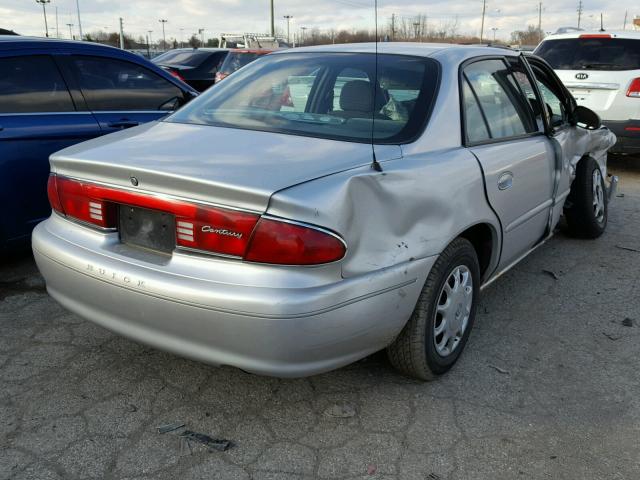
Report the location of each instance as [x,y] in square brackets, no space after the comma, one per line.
[613,33]
[35,42]
[251,50]
[441,51]
[197,49]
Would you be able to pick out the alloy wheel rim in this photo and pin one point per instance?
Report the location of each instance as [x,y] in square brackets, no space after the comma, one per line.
[453,310]
[598,196]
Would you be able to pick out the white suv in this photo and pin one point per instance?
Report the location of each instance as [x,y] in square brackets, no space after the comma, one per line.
[602,71]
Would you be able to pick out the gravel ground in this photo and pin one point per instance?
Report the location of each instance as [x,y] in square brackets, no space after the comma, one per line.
[548,387]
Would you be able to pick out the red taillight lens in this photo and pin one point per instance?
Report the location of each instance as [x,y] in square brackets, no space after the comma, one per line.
[52,193]
[176,74]
[595,35]
[216,230]
[634,88]
[290,244]
[74,200]
[200,227]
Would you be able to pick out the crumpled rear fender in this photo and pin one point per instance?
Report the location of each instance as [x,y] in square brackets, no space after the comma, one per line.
[412,209]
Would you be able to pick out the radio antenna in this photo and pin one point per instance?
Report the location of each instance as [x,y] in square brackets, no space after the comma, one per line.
[375,164]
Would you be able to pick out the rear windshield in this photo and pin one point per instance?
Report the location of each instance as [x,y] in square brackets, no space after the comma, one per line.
[327,95]
[236,60]
[591,53]
[188,58]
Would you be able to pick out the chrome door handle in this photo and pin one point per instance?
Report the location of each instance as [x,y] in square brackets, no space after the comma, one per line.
[505,181]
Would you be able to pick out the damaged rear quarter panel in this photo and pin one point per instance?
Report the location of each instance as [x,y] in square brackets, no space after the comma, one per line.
[412,209]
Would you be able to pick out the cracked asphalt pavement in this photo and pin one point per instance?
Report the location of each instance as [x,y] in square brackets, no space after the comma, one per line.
[548,387]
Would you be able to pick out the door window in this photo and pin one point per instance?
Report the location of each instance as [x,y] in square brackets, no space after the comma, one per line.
[32,84]
[475,126]
[554,104]
[109,84]
[502,102]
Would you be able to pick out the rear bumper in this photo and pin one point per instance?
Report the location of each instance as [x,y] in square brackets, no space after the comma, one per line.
[285,326]
[628,133]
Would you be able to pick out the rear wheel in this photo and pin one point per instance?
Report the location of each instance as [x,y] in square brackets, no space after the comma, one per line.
[587,207]
[438,330]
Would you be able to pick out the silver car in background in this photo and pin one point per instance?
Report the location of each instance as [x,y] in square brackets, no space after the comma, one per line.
[324,203]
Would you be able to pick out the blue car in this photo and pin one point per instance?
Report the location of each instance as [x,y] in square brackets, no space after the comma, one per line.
[55,93]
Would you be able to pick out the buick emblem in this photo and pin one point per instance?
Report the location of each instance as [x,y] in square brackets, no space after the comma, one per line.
[582,76]
[134,181]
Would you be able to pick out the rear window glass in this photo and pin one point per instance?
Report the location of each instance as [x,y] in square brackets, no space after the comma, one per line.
[327,95]
[188,58]
[237,60]
[591,53]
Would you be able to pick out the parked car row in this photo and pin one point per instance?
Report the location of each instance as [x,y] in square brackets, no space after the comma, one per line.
[202,67]
[323,204]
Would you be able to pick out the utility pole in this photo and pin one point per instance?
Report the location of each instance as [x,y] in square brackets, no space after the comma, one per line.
[148,49]
[58,31]
[273,25]
[540,22]
[302,38]
[79,22]
[484,10]
[181,37]
[70,25]
[624,25]
[150,37]
[44,11]
[579,12]
[164,40]
[121,35]
[393,27]
[416,26]
[288,17]
[201,32]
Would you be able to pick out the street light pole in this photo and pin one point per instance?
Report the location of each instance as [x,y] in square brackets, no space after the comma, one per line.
[164,41]
[273,25]
[44,11]
[495,29]
[288,17]
[70,25]
[79,22]
[484,10]
[302,39]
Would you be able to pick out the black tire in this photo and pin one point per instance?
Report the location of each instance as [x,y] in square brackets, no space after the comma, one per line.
[580,211]
[414,351]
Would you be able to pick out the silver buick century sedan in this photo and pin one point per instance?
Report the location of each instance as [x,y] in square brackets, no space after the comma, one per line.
[323,204]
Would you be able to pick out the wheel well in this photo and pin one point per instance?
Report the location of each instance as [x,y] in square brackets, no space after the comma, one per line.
[481,237]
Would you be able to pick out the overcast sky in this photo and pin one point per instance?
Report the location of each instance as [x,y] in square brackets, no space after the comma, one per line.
[235,16]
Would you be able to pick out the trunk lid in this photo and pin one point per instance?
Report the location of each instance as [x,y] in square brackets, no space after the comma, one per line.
[226,166]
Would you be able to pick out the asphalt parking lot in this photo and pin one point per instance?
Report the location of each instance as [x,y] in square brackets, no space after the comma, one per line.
[549,387]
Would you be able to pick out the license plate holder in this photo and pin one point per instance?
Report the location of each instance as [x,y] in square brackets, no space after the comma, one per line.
[146,228]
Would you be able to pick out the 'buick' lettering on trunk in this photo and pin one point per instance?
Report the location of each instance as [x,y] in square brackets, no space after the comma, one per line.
[221,231]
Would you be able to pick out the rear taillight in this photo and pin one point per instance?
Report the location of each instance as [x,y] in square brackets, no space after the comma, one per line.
[204,228]
[595,35]
[634,88]
[286,243]
[176,74]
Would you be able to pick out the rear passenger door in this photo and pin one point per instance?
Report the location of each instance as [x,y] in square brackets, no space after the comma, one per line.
[37,117]
[123,94]
[516,157]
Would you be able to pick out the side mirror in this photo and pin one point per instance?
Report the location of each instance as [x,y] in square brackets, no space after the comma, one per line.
[586,118]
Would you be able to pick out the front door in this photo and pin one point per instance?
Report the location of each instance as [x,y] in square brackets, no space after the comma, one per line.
[516,157]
